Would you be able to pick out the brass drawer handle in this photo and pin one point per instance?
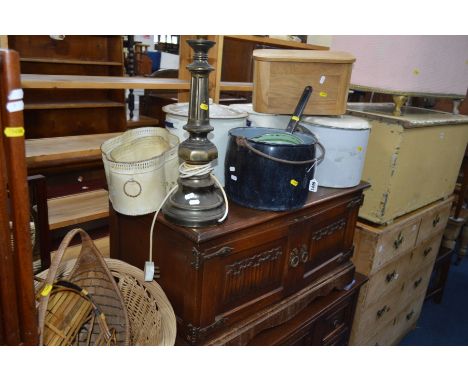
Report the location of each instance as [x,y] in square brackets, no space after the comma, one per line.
[409,315]
[304,253]
[417,282]
[382,311]
[436,221]
[294,258]
[392,276]
[336,323]
[427,251]
[398,241]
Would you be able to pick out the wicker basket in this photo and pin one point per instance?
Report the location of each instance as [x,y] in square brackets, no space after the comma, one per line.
[151,317]
[64,312]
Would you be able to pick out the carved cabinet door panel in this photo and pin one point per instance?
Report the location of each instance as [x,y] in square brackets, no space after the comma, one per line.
[321,242]
[243,276]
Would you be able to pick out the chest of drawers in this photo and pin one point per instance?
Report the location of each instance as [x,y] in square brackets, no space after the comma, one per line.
[398,259]
[218,276]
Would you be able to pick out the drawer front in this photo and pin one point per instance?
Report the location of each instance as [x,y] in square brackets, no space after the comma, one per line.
[434,221]
[369,320]
[407,318]
[416,284]
[426,252]
[389,279]
[384,337]
[334,326]
[395,241]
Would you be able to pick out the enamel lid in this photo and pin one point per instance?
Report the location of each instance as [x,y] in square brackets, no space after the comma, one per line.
[216,110]
[248,108]
[348,122]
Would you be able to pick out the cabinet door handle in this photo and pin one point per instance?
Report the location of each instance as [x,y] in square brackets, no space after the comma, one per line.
[436,221]
[427,251]
[304,253]
[417,282]
[336,323]
[409,315]
[398,241]
[392,276]
[382,311]
[294,258]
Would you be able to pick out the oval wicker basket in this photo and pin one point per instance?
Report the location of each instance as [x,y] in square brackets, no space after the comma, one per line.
[150,314]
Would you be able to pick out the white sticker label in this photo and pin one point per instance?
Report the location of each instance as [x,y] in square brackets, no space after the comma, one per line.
[322,79]
[442,135]
[414,227]
[396,276]
[194,202]
[233,177]
[15,95]
[380,248]
[189,196]
[232,168]
[313,185]
[15,106]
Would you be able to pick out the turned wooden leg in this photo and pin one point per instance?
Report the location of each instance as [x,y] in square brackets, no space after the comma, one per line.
[399,101]
[456,104]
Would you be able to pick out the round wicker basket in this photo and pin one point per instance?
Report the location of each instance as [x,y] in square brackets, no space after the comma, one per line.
[151,317]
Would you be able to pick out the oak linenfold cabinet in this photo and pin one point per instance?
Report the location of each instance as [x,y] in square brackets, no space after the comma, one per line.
[254,266]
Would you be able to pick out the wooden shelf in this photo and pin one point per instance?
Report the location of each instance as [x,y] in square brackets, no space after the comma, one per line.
[49,81]
[58,151]
[71,62]
[142,121]
[277,42]
[71,105]
[237,86]
[78,208]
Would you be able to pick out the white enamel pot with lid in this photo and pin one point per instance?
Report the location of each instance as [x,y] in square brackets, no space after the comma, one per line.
[345,139]
[222,118]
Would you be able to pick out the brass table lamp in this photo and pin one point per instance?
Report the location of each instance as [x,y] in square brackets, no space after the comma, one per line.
[197,202]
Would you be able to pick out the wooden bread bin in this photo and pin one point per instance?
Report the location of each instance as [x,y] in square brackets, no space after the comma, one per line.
[280,76]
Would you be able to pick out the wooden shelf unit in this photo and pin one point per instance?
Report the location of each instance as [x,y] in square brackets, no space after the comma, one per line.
[232,61]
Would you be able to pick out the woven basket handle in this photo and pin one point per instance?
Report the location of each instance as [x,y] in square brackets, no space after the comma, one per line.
[44,290]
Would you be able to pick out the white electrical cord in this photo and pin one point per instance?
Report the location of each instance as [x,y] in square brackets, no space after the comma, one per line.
[185,171]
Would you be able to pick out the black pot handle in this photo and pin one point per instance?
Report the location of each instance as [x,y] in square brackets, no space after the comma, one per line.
[242,141]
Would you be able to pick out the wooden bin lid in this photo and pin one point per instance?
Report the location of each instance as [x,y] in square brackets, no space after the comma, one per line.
[303,56]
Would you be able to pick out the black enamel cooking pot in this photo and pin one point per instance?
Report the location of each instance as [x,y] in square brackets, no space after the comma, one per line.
[270,169]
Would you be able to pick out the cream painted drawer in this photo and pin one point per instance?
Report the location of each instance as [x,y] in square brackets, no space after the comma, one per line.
[390,279]
[375,247]
[434,221]
[426,252]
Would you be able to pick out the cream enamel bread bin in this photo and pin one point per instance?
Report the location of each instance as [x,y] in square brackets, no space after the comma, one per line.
[141,167]
[345,139]
[222,118]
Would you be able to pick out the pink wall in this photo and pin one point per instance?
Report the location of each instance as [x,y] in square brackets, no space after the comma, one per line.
[430,64]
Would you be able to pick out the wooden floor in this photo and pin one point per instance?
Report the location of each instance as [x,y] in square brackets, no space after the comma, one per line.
[78,208]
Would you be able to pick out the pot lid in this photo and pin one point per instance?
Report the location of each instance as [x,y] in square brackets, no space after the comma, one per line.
[248,108]
[348,122]
[216,110]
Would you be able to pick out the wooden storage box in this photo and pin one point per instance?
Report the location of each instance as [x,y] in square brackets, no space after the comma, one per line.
[411,160]
[215,277]
[280,77]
